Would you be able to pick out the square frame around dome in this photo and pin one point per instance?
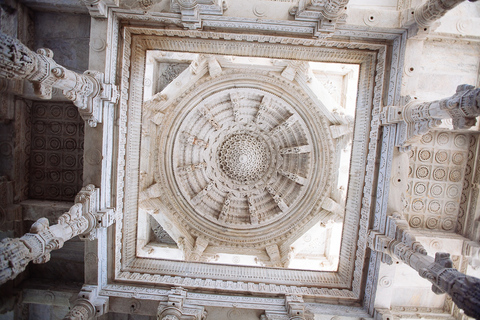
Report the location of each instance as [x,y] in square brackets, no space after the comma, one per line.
[350,281]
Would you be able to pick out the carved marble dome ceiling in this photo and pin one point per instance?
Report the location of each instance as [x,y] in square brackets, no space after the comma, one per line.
[239,163]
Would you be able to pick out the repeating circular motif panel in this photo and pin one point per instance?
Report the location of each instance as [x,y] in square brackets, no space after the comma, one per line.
[451,207]
[416,221]
[460,141]
[6,149]
[448,224]
[458,158]
[434,206]
[439,174]
[424,155]
[420,188]
[418,205]
[455,175]
[436,190]
[441,156]
[431,222]
[453,191]
[443,138]
[427,138]
[423,172]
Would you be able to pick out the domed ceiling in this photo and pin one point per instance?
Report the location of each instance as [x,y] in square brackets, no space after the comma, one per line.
[242,160]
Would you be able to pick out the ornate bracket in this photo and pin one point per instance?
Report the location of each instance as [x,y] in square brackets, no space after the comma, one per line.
[327,14]
[176,308]
[191,10]
[87,91]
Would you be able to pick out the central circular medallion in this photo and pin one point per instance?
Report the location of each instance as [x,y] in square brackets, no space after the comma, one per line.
[244,157]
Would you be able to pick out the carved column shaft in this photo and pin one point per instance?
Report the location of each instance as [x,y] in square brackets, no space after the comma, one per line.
[15,254]
[87,91]
[432,10]
[416,117]
[400,244]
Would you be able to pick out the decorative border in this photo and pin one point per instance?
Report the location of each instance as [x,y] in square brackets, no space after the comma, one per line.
[349,278]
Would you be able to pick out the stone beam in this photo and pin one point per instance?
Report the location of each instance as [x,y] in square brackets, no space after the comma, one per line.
[87,91]
[399,243]
[416,118]
[82,219]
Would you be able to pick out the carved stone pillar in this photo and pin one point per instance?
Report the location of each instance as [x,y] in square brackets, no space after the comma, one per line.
[432,10]
[417,118]
[88,305]
[87,91]
[82,219]
[398,243]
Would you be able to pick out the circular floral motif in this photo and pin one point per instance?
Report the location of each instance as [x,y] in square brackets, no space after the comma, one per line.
[434,206]
[69,176]
[69,192]
[70,160]
[436,245]
[56,111]
[38,174]
[460,141]
[431,223]
[453,191]
[436,190]
[54,176]
[418,205]
[40,110]
[385,282]
[70,129]
[455,175]
[415,222]
[54,159]
[53,191]
[244,157]
[72,112]
[458,158]
[54,143]
[411,153]
[424,155]
[55,127]
[420,188]
[427,138]
[70,144]
[441,156]
[423,172]
[439,174]
[38,159]
[443,138]
[39,127]
[451,207]
[38,143]
[448,224]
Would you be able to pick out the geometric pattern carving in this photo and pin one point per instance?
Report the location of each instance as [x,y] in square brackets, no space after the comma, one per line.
[437,165]
[167,72]
[247,139]
[56,162]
